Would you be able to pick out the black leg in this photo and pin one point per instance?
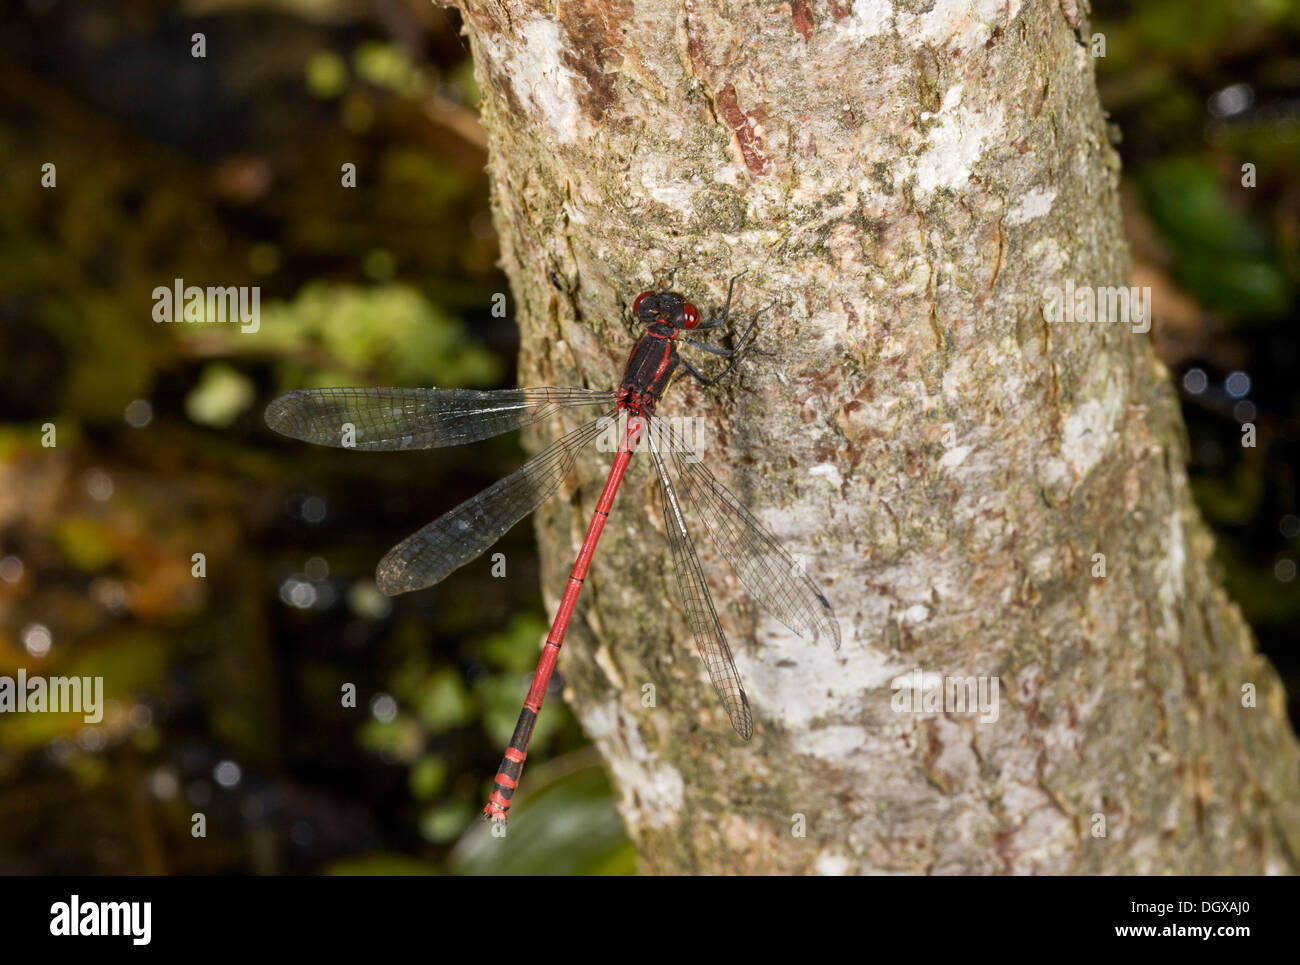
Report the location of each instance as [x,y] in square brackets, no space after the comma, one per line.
[726,353]
[726,309]
[734,354]
[686,364]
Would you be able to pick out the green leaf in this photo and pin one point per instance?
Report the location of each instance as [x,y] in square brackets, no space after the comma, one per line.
[326,74]
[428,776]
[1219,253]
[516,648]
[444,701]
[85,543]
[444,822]
[392,331]
[221,396]
[399,739]
[568,827]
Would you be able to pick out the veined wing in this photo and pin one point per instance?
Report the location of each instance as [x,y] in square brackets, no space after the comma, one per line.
[463,533]
[761,564]
[709,639]
[385,419]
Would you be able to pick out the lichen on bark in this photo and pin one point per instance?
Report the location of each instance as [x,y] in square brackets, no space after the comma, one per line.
[903,181]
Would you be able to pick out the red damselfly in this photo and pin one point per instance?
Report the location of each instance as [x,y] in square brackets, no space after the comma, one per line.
[377,419]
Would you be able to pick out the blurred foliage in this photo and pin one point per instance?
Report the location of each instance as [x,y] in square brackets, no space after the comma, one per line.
[1207,98]
[417,344]
[1220,255]
[128,445]
[223,690]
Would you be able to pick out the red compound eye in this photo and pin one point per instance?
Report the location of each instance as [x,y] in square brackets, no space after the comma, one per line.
[636,305]
[690,315]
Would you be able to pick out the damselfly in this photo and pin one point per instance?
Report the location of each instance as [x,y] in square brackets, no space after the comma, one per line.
[377,419]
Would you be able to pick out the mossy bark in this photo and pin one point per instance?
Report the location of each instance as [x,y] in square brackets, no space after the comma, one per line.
[904,181]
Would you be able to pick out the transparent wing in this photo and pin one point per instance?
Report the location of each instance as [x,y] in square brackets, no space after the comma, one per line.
[760,563]
[463,533]
[709,639]
[385,419]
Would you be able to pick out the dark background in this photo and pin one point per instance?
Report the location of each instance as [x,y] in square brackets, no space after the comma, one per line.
[225,170]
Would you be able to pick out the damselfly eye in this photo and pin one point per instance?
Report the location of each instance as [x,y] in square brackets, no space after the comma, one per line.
[690,316]
[636,305]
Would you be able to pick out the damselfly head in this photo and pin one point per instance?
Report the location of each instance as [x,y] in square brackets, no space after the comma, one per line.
[666,308]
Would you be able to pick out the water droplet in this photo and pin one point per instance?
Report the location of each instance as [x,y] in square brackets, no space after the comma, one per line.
[227,774]
[1195,381]
[139,414]
[98,483]
[36,639]
[383,708]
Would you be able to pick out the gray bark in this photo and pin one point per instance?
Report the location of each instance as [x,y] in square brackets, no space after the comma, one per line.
[905,180]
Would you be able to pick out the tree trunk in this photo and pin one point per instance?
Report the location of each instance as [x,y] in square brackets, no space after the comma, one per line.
[905,181]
